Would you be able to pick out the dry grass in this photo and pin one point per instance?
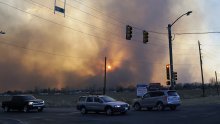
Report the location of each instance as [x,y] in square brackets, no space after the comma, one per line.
[202,101]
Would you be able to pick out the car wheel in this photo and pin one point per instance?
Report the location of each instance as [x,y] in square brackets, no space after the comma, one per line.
[149,108]
[6,109]
[123,113]
[160,106]
[83,110]
[26,109]
[40,110]
[172,108]
[137,107]
[109,111]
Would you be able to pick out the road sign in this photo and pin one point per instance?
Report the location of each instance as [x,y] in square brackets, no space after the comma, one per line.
[59,9]
[141,89]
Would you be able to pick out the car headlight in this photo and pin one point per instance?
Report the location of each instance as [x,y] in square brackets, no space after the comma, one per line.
[117,106]
[30,103]
[43,102]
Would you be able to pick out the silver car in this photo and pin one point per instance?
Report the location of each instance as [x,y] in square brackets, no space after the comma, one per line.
[158,99]
[101,103]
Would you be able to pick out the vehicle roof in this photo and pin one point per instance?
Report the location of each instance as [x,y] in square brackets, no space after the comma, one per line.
[94,96]
[163,90]
[23,95]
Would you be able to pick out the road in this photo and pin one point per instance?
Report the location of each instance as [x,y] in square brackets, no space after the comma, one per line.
[204,114]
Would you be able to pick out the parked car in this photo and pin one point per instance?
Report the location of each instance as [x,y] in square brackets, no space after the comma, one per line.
[101,103]
[23,103]
[158,99]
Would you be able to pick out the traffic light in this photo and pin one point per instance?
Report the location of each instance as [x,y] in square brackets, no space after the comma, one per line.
[175,75]
[128,32]
[145,37]
[168,71]
[168,82]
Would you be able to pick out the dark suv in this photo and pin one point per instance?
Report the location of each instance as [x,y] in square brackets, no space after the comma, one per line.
[101,103]
[23,103]
[158,99]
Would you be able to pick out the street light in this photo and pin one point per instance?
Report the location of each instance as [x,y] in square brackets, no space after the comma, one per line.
[170,47]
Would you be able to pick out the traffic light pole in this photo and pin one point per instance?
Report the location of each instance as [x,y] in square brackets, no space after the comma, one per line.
[216,79]
[171,57]
[104,87]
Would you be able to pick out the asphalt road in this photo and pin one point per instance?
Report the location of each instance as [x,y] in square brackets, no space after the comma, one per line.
[204,114]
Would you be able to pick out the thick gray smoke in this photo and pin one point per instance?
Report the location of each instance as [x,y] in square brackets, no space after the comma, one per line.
[38,53]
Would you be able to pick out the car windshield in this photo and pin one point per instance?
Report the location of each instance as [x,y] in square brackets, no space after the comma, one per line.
[107,99]
[172,93]
[82,99]
[29,98]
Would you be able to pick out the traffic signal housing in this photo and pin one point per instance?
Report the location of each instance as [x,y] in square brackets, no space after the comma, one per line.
[175,75]
[145,37]
[128,32]
[168,71]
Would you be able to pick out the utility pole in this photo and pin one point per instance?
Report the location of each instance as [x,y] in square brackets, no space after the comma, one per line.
[203,87]
[216,79]
[104,87]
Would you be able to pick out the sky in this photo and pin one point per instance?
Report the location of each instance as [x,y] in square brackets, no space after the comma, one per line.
[46,50]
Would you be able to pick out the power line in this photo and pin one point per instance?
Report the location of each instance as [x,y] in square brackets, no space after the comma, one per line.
[103,39]
[39,51]
[67,26]
[214,32]
[119,22]
[93,25]
[152,43]
[210,54]
[92,15]
[112,17]
[116,19]
[72,57]
[141,28]
[55,54]
[75,19]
